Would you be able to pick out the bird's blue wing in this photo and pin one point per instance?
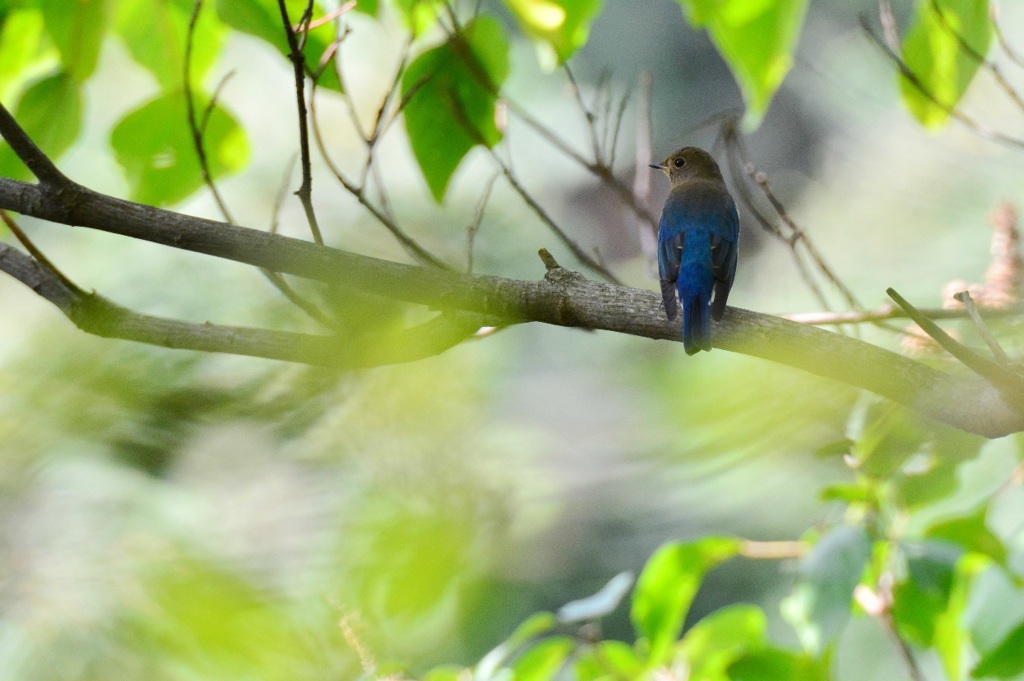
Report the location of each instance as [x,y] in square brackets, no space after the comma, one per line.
[670,249]
[723,258]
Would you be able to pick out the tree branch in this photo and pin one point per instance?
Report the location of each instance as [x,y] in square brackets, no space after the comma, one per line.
[562,298]
[100,316]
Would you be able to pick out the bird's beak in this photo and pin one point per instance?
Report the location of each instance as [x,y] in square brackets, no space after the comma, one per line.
[658,166]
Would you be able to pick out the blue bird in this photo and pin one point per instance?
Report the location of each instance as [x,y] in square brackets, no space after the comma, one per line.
[697,240]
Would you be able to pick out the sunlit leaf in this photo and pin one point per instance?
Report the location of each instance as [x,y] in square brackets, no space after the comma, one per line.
[155,31]
[667,586]
[51,113]
[561,25]
[951,637]
[543,660]
[756,38]
[418,15]
[451,92]
[934,51]
[78,29]
[778,665]
[447,673]
[262,18]
[23,49]
[609,657]
[535,625]
[715,642]
[155,147]
[823,596]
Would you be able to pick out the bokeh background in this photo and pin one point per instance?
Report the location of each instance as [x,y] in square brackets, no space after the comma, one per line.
[175,515]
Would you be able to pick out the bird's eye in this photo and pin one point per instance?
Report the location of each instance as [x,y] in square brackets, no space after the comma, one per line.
[680,162]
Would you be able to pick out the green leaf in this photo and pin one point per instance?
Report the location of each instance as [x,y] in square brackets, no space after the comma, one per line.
[418,15]
[608,658]
[933,52]
[994,616]
[451,92]
[447,673]
[715,642]
[155,33]
[542,661]
[924,595]
[561,25]
[950,639]
[154,146]
[262,18]
[23,50]
[971,533]
[535,625]
[890,434]
[667,586]
[1006,660]
[756,38]
[77,29]
[51,113]
[823,596]
[367,7]
[778,665]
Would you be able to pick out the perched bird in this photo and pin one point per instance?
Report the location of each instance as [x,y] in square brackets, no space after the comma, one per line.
[697,242]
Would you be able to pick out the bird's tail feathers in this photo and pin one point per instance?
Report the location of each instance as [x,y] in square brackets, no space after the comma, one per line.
[696,323]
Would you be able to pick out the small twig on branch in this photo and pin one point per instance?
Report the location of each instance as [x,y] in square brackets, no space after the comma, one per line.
[411,246]
[20,235]
[1008,49]
[588,115]
[478,219]
[1009,384]
[647,230]
[298,59]
[986,335]
[544,217]
[197,128]
[888,311]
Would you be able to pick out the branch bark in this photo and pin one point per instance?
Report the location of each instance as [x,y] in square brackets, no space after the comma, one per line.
[562,298]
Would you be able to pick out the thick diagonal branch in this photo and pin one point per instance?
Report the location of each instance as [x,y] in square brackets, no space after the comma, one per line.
[562,298]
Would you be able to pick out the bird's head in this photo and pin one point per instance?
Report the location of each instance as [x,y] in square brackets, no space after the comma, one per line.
[689,163]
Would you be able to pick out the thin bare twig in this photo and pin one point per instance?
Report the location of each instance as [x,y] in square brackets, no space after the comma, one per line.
[647,230]
[408,243]
[196,128]
[478,218]
[1009,384]
[298,59]
[1008,49]
[588,115]
[986,335]
[980,129]
[38,254]
[888,312]
[539,211]
[978,57]
[797,237]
